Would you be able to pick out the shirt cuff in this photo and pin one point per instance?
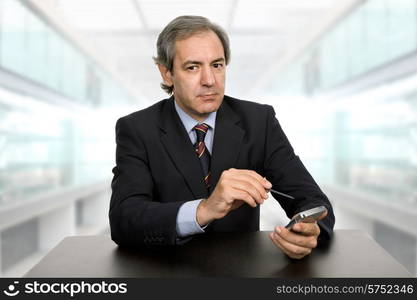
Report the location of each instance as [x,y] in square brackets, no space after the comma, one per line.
[187,219]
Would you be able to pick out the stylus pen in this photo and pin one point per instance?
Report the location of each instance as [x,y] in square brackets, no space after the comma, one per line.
[282,194]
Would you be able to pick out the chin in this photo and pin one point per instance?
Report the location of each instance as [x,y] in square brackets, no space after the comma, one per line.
[210,107]
[212,104]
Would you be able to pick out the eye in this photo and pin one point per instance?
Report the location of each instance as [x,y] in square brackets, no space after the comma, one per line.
[217,65]
[192,68]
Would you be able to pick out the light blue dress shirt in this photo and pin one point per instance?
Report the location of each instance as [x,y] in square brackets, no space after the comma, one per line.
[187,215]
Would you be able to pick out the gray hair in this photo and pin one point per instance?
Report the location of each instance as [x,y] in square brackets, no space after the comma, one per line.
[181,28]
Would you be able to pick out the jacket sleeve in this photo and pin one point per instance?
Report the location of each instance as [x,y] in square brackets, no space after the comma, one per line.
[135,218]
[287,173]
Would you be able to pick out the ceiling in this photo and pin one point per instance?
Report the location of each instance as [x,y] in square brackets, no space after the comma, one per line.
[264,35]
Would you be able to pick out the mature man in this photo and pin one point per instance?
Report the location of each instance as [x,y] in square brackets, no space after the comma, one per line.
[201,161]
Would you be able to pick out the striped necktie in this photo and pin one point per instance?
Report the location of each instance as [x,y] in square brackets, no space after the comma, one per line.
[202,152]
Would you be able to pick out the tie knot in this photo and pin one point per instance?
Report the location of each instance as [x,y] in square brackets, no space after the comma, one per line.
[201,130]
[202,127]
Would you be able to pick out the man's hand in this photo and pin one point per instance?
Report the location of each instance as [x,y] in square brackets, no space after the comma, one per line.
[299,241]
[234,188]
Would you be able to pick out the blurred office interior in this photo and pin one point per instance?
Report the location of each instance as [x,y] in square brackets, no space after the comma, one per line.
[341,75]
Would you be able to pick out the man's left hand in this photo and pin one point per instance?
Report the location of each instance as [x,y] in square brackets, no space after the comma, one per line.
[299,241]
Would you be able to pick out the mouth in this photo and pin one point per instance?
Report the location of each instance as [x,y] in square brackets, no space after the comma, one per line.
[207,96]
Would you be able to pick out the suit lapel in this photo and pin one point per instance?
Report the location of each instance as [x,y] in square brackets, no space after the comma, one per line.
[228,137]
[178,146]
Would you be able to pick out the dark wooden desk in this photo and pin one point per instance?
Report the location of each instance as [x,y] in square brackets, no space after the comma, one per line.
[351,254]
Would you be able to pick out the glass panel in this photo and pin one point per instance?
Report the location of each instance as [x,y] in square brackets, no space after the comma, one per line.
[43,148]
[13,37]
[36,51]
[35,54]
[33,152]
[54,45]
[401,33]
[366,141]
[374,34]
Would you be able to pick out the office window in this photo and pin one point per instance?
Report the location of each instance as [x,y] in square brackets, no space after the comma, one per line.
[376,28]
[13,37]
[54,46]
[356,43]
[373,35]
[401,32]
[31,156]
[372,134]
[33,49]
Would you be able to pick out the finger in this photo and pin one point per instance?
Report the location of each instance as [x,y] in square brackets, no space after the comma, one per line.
[291,250]
[265,183]
[251,183]
[311,220]
[276,243]
[255,176]
[307,229]
[237,194]
[301,240]
[248,187]
[294,251]
[323,215]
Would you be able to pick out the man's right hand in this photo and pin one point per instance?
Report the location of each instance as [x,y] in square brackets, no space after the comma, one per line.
[234,188]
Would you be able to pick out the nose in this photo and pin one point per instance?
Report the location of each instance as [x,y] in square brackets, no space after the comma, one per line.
[207,77]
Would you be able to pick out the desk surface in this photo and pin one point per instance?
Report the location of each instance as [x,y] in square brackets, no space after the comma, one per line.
[350,254]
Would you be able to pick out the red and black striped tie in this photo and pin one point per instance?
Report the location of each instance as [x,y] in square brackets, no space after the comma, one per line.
[202,152]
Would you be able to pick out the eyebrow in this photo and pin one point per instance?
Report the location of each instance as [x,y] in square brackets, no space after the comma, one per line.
[195,62]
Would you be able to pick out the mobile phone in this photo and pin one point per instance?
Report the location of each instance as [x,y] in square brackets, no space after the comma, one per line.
[309,215]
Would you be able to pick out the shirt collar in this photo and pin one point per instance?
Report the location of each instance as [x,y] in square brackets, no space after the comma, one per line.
[190,122]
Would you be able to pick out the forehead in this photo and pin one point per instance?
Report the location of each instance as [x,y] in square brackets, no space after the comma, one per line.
[200,46]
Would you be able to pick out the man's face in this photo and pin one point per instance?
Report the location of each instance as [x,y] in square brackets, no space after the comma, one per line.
[198,74]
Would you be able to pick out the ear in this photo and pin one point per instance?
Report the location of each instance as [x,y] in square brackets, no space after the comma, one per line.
[166,74]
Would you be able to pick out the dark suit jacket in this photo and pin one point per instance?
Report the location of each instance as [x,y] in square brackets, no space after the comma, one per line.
[157,171]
